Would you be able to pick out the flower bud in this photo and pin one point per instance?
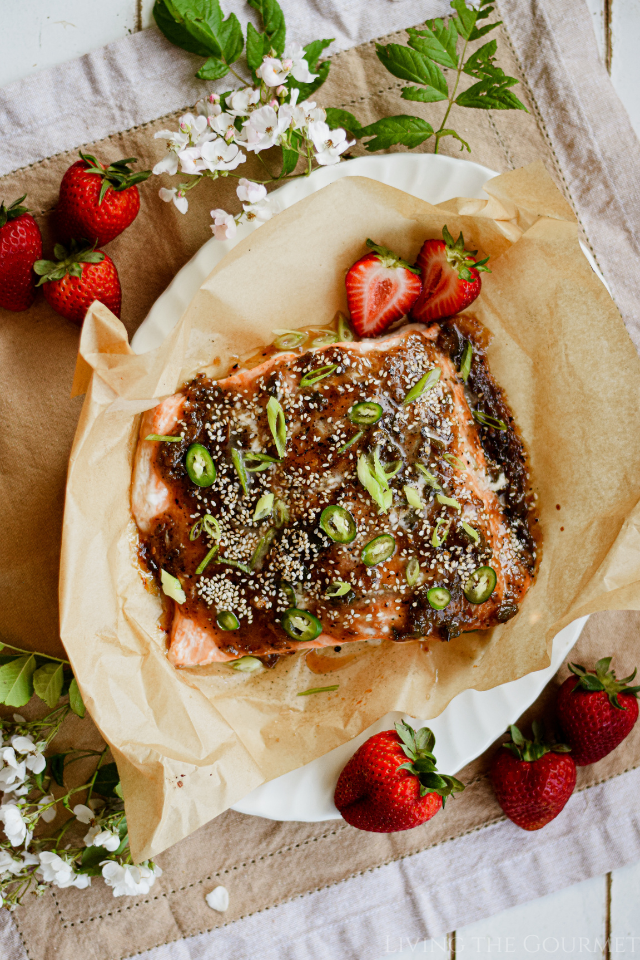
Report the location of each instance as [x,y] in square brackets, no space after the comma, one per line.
[287,64]
[281,91]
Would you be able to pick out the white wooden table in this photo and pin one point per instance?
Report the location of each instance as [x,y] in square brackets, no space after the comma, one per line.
[599,918]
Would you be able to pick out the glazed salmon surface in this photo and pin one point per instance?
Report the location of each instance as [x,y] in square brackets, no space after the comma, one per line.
[452,493]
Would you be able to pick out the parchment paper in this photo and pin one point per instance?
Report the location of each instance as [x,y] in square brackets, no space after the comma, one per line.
[190,743]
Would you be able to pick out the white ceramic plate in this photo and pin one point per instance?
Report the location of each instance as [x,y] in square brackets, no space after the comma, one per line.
[473,719]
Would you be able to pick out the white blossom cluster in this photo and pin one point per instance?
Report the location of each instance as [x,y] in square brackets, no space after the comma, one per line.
[215,141]
[22,858]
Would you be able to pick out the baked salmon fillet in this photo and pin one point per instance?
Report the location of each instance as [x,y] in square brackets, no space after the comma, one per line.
[354,491]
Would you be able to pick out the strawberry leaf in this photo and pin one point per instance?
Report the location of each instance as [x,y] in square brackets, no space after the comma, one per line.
[405,130]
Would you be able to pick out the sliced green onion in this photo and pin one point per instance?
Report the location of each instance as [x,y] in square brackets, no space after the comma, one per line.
[289,339]
[288,591]
[470,532]
[262,549]
[488,421]
[480,585]
[374,480]
[366,412]
[277,425]
[247,665]
[172,587]
[325,339]
[264,507]
[227,620]
[424,383]
[280,513]
[454,461]
[436,539]
[241,470]
[378,550]
[345,332]
[338,589]
[465,365]
[438,597]
[263,459]
[429,477]
[196,530]
[225,561]
[159,437]
[412,572]
[390,469]
[315,376]
[413,498]
[338,524]
[307,693]
[350,443]
[207,560]
[300,625]
[448,501]
[211,527]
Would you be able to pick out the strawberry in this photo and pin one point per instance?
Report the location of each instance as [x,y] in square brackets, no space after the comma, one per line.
[76,279]
[382,791]
[20,247]
[381,288]
[596,711]
[97,202]
[532,780]
[450,278]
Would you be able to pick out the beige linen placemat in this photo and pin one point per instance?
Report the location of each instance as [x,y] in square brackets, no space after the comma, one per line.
[263,863]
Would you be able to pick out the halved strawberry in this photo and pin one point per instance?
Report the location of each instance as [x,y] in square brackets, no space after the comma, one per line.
[381,288]
[450,278]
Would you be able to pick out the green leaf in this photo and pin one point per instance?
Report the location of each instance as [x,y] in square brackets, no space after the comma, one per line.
[107,780]
[213,69]
[75,699]
[55,764]
[313,50]
[91,859]
[289,163]
[232,39]
[273,23]
[255,46]
[307,89]
[438,42]
[342,118]
[421,94]
[177,30]
[405,130]
[466,19]
[407,64]
[47,683]
[489,95]
[16,681]
[199,27]
[480,63]
[478,32]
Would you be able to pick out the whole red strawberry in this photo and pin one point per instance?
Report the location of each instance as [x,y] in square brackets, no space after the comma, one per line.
[78,277]
[20,247]
[381,288]
[532,780]
[596,711]
[450,278]
[391,782]
[97,202]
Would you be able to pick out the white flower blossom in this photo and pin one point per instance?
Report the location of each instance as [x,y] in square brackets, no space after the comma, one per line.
[240,101]
[35,763]
[97,837]
[223,126]
[178,197]
[258,211]
[50,813]
[15,826]
[273,72]
[249,192]
[168,164]
[264,128]
[208,106]
[13,770]
[11,865]
[224,225]
[83,813]
[218,899]
[299,69]
[58,871]
[127,880]
[329,144]
[219,155]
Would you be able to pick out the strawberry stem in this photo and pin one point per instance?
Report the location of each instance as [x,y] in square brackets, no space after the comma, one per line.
[67,262]
[116,176]
[418,746]
[604,680]
[532,750]
[12,212]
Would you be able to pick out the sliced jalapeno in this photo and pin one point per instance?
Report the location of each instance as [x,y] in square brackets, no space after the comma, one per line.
[438,597]
[287,589]
[366,412]
[345,333]
[480,585]
[200,466]
[378,550]
[338,589]
[338,524]
[227,620]
[300,625]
